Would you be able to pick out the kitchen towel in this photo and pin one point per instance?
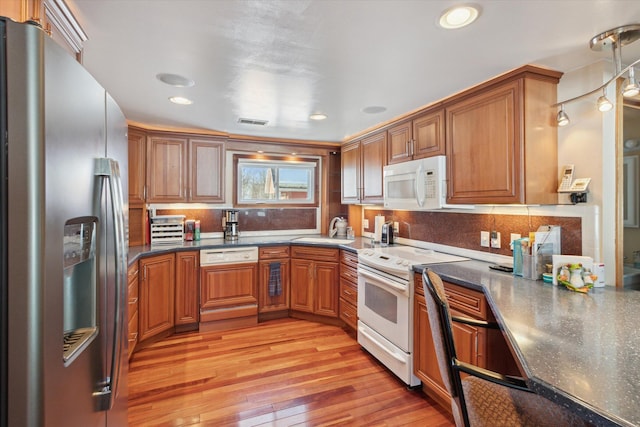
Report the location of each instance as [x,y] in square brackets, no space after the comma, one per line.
[275,283]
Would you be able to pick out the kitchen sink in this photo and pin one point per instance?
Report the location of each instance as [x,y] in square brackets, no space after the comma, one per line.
[326,240]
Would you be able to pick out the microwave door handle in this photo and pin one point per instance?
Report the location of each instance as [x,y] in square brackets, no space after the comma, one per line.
[419,184]
[108,170]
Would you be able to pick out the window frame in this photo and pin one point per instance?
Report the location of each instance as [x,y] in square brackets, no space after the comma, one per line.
[239,159]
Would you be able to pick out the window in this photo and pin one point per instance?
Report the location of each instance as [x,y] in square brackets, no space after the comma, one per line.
[275,181]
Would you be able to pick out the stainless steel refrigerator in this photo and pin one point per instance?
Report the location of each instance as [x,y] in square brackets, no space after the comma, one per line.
[63,244]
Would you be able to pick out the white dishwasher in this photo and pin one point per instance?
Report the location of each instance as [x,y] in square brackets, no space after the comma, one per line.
[228,288]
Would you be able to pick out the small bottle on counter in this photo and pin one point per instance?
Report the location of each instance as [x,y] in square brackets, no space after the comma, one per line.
[197,230]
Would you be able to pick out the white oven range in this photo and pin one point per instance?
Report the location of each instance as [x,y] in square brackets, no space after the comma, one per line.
[385,304]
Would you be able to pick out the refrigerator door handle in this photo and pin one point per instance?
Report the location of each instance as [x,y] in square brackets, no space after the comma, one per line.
[108,170]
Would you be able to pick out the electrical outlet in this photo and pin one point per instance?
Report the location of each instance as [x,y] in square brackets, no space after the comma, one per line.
[514,236]
[495,239]
[365,223]
[396,228]
[484,239]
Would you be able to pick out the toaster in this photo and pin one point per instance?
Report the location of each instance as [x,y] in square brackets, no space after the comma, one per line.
[387,233]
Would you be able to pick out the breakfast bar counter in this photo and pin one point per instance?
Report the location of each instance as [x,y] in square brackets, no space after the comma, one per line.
[579,350]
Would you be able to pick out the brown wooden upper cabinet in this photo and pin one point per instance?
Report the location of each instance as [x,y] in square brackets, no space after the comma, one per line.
[137,167]
[54,17]
[418,138]
[181,169]
[362,164]
[501,140]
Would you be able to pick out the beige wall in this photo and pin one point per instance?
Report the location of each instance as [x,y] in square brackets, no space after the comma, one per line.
[631,130]
[588,142]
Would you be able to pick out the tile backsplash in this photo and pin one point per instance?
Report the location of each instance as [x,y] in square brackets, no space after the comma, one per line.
[463,229]
[250,219]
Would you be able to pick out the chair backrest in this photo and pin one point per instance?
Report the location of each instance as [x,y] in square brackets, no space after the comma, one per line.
[442,334]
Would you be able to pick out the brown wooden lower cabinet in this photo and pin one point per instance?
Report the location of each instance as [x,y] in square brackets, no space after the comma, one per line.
[315,276]
[349,288]
[157,295]
[479,346]
[187,288]
[228,291]
[270,302]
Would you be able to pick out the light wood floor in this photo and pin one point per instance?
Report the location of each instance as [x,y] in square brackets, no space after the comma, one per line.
[283,372]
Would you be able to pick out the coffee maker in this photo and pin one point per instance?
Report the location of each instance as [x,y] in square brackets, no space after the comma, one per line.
[230,225]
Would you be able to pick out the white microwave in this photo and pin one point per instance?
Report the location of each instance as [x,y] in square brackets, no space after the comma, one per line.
[416,184]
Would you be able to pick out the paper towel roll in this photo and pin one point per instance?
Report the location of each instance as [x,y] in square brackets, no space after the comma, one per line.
[377,231]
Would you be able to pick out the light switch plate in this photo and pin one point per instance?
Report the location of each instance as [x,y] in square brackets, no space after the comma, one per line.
[484,239]
[495,241]
[365,223]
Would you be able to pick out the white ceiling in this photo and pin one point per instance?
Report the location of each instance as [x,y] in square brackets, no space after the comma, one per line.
[285,59]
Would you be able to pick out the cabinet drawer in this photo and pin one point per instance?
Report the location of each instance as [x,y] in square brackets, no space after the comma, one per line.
[132,299]
[349,258]
[132,273]
[133,334]
[348,291]
[349,273]
[348,313]
[272,252]
[133,309]
[315,253]
[467,301]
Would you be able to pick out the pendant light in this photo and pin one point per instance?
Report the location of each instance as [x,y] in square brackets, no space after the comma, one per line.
[631,87]
[613,39]
[562,118]
[603,102]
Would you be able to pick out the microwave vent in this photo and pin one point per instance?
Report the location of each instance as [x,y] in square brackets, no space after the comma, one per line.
[254,122]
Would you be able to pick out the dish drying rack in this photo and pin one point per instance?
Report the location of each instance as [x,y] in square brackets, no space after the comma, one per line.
[167,229]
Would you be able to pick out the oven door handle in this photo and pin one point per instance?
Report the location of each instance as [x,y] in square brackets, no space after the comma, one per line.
[381,346]
[386,283]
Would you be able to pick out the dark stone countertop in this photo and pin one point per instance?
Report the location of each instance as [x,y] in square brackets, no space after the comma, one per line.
[580,350]
[137,252]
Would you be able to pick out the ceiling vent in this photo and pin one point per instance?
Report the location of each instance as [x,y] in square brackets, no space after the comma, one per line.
[254,122]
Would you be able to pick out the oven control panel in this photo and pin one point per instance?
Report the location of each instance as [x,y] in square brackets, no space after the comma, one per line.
[381,258]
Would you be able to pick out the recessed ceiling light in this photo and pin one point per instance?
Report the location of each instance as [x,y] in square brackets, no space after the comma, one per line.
[175,80]
[458,16]
[374,109]
[318,116]
[180,100]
